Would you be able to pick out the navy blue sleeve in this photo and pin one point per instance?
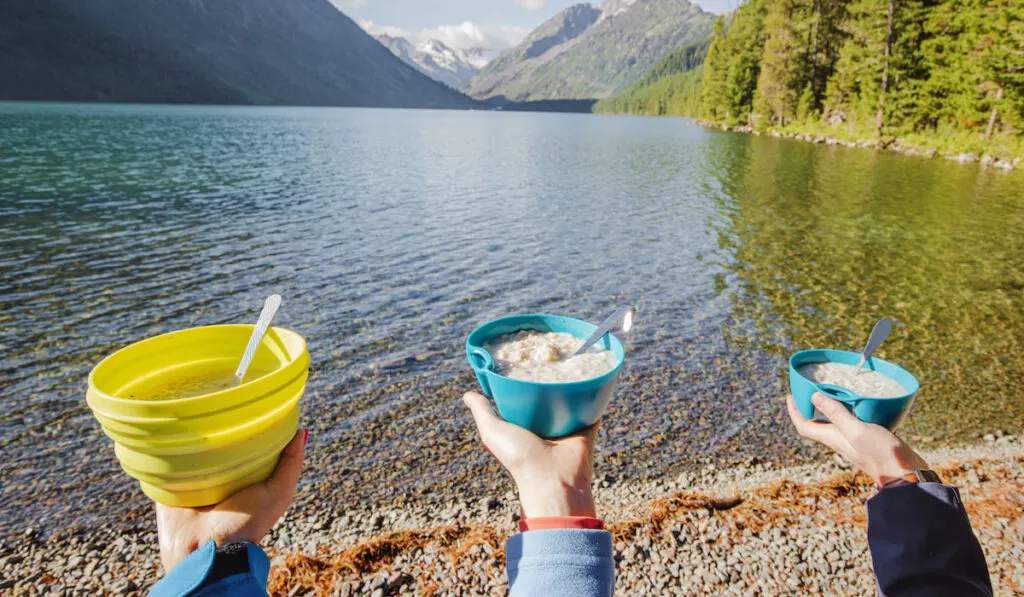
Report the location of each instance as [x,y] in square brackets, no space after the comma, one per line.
[236,570]
[922,544]
[560,563]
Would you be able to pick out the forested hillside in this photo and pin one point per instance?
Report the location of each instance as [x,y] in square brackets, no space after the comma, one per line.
[671,87]
[942,74]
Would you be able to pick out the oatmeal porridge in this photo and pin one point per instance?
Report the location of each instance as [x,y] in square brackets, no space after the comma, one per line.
[546,357]
[867,383]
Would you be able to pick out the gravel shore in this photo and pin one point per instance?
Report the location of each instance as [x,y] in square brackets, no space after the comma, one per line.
[895,144]
[752,530]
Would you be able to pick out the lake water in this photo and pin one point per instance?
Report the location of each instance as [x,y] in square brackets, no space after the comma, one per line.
[392,234]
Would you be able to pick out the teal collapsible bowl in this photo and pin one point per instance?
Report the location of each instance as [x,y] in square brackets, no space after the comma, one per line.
[887,412]
[547,409]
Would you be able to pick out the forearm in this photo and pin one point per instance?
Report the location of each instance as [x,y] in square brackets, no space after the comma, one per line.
[236,569]
[922,544]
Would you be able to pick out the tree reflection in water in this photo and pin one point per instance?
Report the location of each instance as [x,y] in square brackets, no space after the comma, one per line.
[822,242]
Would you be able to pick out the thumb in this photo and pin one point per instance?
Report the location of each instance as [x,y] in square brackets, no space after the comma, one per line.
[281,484]
[483,416]
[836,413]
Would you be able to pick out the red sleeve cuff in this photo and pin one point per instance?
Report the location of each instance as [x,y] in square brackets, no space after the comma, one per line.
[560,522]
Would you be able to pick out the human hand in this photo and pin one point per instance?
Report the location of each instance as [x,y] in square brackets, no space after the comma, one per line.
[552,476]
[245,516]
[871,448]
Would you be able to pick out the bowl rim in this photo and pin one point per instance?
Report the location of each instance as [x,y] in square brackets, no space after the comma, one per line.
[279,372]
[910,394]
[603,378]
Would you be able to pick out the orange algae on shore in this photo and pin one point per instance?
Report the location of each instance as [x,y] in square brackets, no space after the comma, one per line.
[323,572]
[441,560]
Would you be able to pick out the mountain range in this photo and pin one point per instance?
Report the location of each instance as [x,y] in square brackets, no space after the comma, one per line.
[306,52]
[436,60]
[592,52]
[299,52]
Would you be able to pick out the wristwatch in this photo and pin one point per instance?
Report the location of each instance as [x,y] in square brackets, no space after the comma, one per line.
[918,476]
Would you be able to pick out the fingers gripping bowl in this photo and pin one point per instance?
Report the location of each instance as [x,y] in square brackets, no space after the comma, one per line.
[888,412]
[198,450]
[547,409]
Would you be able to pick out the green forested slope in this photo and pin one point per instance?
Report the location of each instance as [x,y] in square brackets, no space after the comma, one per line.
[671,87]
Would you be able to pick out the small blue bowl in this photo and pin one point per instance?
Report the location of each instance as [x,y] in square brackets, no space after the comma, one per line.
[547,409]
[887,412]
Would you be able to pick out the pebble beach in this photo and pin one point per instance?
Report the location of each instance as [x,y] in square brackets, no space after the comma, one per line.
[759,529]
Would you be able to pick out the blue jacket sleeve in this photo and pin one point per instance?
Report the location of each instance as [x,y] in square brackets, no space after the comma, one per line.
[207,572]
[560,562]
[922,544]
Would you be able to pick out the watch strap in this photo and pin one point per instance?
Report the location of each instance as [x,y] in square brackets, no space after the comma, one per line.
[917,476]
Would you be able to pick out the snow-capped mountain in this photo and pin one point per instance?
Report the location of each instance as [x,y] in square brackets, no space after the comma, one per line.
[480,57]
[436,60]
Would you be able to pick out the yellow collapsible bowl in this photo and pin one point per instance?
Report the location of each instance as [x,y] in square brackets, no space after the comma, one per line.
[199,450]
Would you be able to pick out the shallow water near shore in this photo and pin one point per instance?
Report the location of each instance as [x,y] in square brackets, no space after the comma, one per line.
[392,234]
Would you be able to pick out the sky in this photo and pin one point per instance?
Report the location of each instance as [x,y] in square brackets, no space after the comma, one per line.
[461,24]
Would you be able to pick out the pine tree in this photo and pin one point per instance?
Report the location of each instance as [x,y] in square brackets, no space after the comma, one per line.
[908,70]
[733,65]
[744,46]
[826,38]
[716,69]
[975,61]
[783,64]
[950,96]
[880,70]
[1000,53]
[853,90]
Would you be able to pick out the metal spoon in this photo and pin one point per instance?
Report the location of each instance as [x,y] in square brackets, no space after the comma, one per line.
[623,314]
[270,307]
[878,335]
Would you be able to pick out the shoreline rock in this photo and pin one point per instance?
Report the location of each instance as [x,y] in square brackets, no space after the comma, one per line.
[895,145]
[704,532]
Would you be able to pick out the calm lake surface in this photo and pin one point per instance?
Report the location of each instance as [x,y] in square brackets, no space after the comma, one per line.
[392,234]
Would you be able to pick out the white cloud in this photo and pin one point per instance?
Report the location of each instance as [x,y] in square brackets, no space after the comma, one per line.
[470,35]
[529,4]
[458,37]
[375,29]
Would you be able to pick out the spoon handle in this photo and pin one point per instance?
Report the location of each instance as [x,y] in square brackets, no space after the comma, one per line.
[270,307]
[878,335]
[623,314]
